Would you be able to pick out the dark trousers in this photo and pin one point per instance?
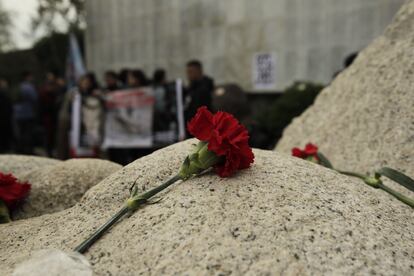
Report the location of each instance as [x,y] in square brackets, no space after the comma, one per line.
[25,136]
[126,156]
[49,125]
[119,156]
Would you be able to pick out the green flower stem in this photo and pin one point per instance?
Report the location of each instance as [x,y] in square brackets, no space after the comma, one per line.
[101,230]
[378,184]
[399,196]
[361,176]
[199,161]
[131,205]
[4,213]
[163,186]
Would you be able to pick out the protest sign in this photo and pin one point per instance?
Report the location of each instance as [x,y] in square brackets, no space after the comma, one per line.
[264,71]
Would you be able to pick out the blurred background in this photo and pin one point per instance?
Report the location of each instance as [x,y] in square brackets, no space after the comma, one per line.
[264,61]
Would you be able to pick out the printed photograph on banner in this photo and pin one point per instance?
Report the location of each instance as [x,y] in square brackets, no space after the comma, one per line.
[129,118]
[264,71]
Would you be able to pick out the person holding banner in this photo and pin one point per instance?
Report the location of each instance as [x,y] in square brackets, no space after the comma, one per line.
[111,81]
[115,154]
[137,78]
[128,120]
[80,120]
[123,77]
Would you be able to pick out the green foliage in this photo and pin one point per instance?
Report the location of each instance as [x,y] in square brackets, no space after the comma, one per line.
[295,99]
[4,213]
[6,42]
[49,12]
[49,53]
[13,64]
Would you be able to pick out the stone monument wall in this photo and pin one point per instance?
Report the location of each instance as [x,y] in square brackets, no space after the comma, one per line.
[309,38]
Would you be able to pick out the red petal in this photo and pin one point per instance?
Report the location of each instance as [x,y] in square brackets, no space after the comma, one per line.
[201,125]
[217,144]
[230,166]
[297,152]
[311,149]
[247,157]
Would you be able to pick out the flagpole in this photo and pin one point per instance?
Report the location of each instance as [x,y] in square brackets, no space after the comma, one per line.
[180,109]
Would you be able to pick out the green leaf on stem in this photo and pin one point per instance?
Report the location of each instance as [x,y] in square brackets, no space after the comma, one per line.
[198,161]
[398,177]
[4,213]
[324,161]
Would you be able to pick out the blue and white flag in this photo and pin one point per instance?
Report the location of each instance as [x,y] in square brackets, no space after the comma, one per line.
[75,67]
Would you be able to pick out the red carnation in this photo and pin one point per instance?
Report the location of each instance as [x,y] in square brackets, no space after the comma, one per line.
[11,190]
[309,152]
[225,137]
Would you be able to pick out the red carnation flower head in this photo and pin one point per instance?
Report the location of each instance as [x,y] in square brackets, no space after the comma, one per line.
[226,137]
[11,190]
[310,152]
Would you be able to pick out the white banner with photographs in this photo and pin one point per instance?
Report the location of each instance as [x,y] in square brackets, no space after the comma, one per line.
[129,117]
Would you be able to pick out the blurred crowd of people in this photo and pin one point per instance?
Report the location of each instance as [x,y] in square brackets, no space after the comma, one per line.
[38,116]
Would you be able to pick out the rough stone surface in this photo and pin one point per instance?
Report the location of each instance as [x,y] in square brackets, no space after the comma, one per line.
[19,165]
[58,187]
[365,119]
[283,216]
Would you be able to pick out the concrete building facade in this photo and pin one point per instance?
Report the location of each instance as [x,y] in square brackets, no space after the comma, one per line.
[308,39]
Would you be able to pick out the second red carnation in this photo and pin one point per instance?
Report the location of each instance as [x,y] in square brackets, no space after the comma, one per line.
[310,151]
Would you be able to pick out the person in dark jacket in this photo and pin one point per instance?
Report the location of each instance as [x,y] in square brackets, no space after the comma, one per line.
[199,91]
[163,115]
[91,116]
[49,95]
[25,113]
[123,77]
[6,112]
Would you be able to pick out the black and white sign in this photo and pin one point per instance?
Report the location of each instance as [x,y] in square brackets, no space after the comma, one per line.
[264,71]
